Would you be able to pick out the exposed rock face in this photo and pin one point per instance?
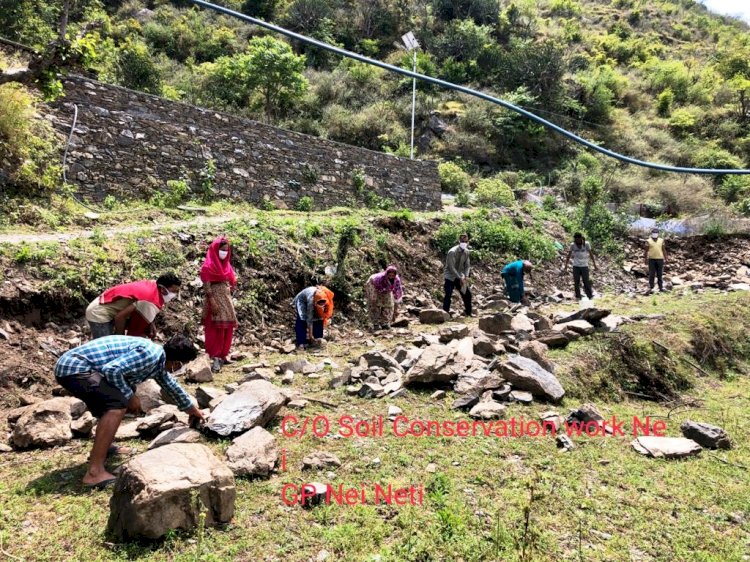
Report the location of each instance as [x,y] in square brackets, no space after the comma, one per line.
[156,492]
[665,447]
[44,424]
[253,453]
[526,374]
[708,436]
[253,403]
[496,324]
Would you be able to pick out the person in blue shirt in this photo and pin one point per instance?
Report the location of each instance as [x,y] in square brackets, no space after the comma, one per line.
[104,373]
[513,274]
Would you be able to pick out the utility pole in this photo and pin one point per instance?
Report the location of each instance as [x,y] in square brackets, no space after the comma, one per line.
[412,45]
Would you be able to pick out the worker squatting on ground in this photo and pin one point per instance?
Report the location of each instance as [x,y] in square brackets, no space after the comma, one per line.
[104,373]
[131,307]
[456,274]
[581,251]
[219,317]
[513,275]
[313,307]
[383,292]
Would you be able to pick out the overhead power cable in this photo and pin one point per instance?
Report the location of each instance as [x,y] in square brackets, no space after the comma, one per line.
[465,90]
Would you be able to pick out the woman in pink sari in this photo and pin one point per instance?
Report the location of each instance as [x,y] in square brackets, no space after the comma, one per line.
[384,293]
[219,318]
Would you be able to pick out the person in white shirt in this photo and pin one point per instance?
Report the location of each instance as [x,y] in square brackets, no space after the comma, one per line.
[581,251]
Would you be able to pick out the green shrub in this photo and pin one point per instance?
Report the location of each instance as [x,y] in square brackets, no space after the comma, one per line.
[495,236]
[664,103]
[463,199]
[452,178]
[733,188]
[177,191]
[136,69]
[304,204]
[493,192]
[685,119]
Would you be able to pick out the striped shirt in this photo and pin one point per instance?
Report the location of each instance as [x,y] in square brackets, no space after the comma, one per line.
[124,361]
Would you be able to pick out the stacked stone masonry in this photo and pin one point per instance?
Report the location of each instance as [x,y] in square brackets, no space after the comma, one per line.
[128,144]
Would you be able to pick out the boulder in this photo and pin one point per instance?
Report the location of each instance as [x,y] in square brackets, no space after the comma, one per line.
[541,322]
[180,434]
[485,347]
[149,392]
[536,351]
[478,381]
[253,403]
[381,359]
[665,447]
[296,366]
[581,327]
[435,365]
[433,316]
[83,426]
[591,315]
[44,424]
[496,324]
[450,333]
[552,339]
[526,374]
[199,370]
[151,425]
[521,323]
[166,489]
[320,460]
[708,436]
[254,453]
[205,394]
[487,411]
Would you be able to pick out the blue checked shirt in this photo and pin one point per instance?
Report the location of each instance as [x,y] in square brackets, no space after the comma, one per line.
[124,361]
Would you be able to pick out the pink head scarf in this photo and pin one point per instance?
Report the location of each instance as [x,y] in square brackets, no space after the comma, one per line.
[384,285]
[214,269]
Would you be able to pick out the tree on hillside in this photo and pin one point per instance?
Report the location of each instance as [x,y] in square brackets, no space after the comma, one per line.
[267,76]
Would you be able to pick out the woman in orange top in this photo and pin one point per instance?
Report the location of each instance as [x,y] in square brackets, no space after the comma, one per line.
[314,310]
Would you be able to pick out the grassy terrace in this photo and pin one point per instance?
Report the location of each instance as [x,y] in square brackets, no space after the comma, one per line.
[489,498]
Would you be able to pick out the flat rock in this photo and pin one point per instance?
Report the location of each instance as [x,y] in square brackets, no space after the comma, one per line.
[435,365]
[166,489]
[591,315]
[476,382]
[706,435]
[4,448]
[665,447]
[521,323]
[44,424]
[537,351]
[296,366]
[496,324]
[254,453]
[180,434]
[552,338]
[526,374]
[450,333]
[521,396]
[150,426]
[320,460]
[297,404]
[610,323]
[581,327]
[433,316]
[205,394]
[487,411]
[199,370]
[465,402]
[381,359]
[253,403]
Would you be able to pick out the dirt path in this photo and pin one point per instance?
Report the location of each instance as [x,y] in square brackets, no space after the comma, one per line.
[110,230]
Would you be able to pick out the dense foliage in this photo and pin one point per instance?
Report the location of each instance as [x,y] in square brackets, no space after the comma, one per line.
[662,80]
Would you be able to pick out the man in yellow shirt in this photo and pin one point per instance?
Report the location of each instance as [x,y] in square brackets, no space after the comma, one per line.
[656,257]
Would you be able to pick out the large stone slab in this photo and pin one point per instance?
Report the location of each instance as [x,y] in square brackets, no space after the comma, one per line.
[381,359]
[581,327]
[706,435]
[553,339]
[166,489]
[433,316]
[44,424]
[536,351]
[476,382]
[591,315]
[253,453]
[435,365]
[526,374]
[665,447]
[180,434]
[253,403]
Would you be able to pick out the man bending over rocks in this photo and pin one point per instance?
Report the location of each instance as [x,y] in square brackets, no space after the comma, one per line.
[104,372]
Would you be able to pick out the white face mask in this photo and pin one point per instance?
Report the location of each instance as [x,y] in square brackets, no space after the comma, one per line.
[170,296]
[463,245]
[654,235]
[223,254]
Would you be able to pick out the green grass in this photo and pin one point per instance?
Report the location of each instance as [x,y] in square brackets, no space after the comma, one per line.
[489,499]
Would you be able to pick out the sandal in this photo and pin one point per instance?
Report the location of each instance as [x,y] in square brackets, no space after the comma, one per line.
[101,485]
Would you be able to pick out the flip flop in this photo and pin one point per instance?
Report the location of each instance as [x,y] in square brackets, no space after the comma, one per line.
[101,485]
[115,450]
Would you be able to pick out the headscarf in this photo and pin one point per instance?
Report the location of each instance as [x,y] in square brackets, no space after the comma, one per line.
[384,285]
[214,269]
[325,312]
[137,291]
